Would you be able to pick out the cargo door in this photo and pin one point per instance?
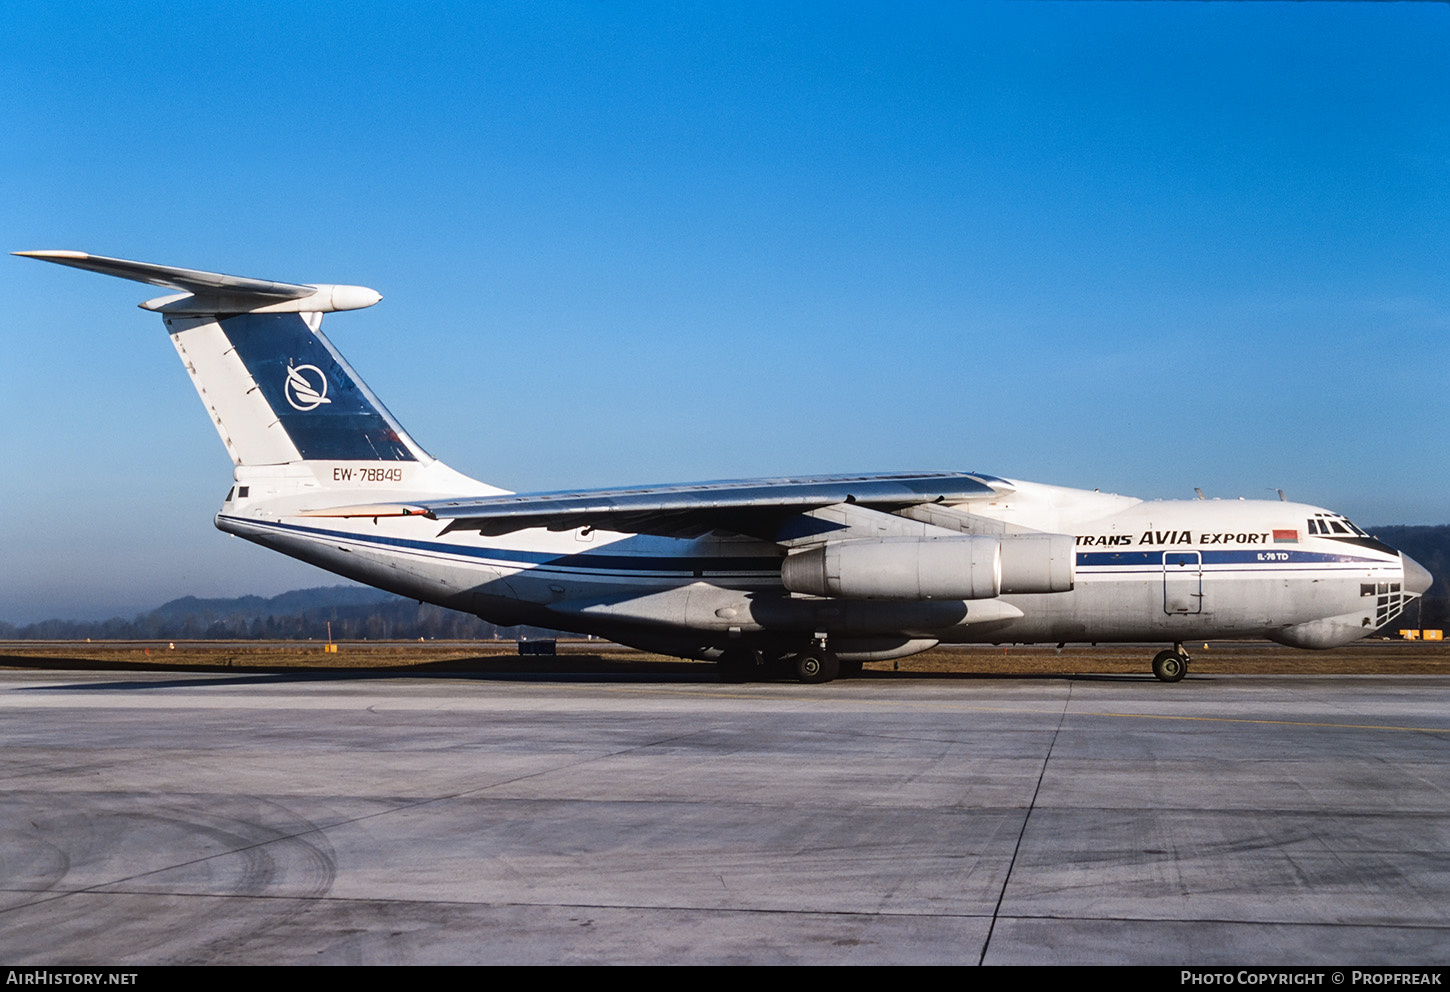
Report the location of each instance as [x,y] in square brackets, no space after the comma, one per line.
[1182,582]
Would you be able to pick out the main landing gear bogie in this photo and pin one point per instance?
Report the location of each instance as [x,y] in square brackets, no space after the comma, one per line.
[812,666]
[1171,665]
[815,666]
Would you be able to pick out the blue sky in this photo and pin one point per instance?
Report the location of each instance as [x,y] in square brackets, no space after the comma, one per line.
[1137,247]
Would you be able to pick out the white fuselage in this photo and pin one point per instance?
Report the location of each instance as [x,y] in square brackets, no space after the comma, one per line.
[1156,571]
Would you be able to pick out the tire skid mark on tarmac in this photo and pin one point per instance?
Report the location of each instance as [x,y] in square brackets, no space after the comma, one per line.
[283,854]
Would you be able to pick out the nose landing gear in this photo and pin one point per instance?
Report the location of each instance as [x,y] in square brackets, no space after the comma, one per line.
[1171,666]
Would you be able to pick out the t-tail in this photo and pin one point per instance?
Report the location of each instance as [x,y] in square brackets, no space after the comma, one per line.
[294,416]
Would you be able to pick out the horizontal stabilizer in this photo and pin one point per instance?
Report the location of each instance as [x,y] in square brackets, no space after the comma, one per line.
[214,292]
[170,277]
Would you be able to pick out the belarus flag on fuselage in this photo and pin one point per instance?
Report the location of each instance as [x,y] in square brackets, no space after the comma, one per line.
[1286,537]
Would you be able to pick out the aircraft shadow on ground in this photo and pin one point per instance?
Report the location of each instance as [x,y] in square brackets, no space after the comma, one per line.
[572,668]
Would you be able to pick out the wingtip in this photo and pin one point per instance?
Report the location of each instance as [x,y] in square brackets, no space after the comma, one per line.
[50,253]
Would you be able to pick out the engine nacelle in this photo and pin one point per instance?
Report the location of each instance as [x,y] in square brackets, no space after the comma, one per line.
[898,568]
[1038,562]
[911,568]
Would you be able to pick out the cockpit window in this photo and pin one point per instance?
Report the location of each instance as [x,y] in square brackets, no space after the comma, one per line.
[1332,523]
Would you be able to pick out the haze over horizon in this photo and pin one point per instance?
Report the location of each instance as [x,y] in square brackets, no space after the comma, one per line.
[1135,247]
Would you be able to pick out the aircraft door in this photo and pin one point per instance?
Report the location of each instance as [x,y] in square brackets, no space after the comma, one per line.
[1182,582]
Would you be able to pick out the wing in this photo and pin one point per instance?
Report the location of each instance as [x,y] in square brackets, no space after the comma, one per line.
[756,507]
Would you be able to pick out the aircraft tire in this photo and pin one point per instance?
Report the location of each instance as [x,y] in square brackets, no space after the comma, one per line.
[1170,666]
[816,667]
[848,669]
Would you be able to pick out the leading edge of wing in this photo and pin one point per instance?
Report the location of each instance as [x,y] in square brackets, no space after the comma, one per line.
[682,509]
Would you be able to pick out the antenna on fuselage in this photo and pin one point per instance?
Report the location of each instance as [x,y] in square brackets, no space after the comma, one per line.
[1200,493]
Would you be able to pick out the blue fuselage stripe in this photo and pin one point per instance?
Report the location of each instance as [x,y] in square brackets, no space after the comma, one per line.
[1117,563]
[586,561]
[1254,556]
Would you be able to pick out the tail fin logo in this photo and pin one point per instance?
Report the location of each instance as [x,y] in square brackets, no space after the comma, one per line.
[306,387]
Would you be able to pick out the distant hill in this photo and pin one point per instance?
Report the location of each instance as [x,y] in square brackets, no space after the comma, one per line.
[357,613]
[354,613]
[287,603]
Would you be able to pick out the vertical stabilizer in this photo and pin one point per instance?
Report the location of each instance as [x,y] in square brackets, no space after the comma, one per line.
[292,413]
[279,392]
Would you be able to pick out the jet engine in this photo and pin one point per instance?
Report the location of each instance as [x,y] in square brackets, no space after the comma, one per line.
[966,567]
[1039,562]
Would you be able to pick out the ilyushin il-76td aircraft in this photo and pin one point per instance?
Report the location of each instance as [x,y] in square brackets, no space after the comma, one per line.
[795,577]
